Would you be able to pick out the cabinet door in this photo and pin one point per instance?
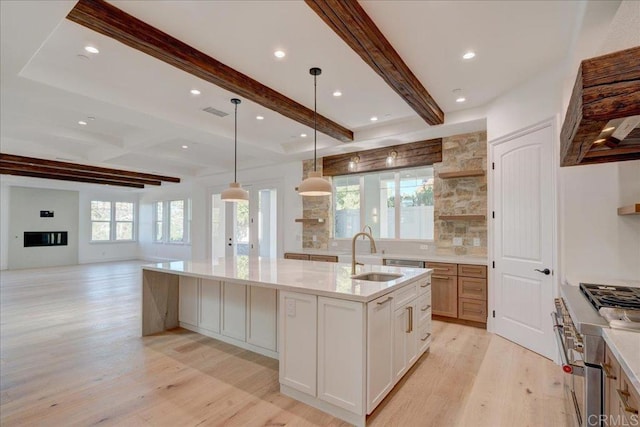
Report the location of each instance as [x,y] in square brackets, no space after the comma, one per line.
[400,332]
[341,353]
[261,317]
[611,371]
[188,300]
[210,305]
[444,295]
[234,310]
[380,375]
[297,341]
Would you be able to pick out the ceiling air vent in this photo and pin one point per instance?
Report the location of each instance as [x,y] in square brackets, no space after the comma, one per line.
[215,112]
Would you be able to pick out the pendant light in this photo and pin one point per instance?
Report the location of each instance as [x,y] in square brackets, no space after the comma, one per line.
[315,185]
[235,192]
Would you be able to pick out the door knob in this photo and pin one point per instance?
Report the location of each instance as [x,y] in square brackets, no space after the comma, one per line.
[546,271]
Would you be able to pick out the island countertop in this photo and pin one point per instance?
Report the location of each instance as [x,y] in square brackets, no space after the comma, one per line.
[311,277]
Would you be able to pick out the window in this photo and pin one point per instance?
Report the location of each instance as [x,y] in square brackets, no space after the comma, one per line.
[172,221]
[395,204]
[112,221]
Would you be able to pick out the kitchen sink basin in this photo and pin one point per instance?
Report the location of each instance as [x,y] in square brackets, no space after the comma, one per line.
[377,277]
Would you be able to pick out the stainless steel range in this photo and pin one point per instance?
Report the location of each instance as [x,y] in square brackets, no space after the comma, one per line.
[578,329]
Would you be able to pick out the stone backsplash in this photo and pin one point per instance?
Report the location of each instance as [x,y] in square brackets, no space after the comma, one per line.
[453,196]
[316,235]
[461,196]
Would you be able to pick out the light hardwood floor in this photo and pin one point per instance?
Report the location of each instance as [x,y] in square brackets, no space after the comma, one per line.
[71,354]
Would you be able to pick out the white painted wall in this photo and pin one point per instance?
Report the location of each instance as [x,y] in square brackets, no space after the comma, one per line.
[4,226]
[24,215]
[596,241]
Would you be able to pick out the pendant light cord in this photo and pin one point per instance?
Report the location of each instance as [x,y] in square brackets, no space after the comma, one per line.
[315,119]
[235,147]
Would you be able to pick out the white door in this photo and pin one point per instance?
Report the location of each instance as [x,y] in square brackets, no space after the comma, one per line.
[245,228]
[523,229]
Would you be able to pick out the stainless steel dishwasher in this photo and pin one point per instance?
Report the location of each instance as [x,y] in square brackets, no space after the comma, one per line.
[404,263]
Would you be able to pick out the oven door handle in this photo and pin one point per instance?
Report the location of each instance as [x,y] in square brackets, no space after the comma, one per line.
[567,367]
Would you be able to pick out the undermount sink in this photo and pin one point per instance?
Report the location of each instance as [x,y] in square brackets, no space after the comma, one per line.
[377,277]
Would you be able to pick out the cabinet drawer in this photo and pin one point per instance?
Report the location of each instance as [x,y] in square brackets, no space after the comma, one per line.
[629,399]
[472,309]
[303,257]
[424,309]
[424,285]
[471,287]
[323,258]
[404,295]
[469,270]
[443,269]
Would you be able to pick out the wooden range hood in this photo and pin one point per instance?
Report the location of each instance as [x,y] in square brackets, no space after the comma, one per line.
[603,118]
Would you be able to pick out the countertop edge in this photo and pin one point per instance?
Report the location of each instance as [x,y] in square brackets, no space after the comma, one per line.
[292,288]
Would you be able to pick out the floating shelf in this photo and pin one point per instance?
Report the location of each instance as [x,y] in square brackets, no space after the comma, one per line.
[311,220]
[461,174]
[462,217]
[630,210]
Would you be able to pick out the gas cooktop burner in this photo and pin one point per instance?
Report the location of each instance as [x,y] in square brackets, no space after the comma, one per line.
[612,296]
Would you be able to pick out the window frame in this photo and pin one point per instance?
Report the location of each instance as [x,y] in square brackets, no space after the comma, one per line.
[113,222]
[397,204]
[165,222]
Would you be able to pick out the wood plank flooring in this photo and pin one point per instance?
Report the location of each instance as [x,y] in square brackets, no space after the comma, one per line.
[71,355]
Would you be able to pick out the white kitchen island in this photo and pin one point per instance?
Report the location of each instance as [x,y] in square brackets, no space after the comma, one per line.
[342,343]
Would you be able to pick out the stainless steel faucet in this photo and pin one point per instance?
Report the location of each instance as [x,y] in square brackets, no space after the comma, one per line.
[353,249]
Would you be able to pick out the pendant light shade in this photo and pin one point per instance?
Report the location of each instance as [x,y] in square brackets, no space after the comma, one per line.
[315,184]
[235,192]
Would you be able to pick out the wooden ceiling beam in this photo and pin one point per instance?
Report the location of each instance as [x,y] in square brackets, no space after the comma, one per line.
[110,21]
[68,177]
[69,172]
[99,172]
[349,20]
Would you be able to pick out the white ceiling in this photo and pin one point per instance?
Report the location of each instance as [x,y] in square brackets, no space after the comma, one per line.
[144,113]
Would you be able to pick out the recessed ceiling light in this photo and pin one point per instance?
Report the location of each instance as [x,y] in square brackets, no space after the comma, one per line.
[91,118]
[609,129]
[82,122]
[185,146]
[259,118]
[461,99]
[374,119]
[91,49]
[469,55]
[337,93]
[279,54]
[195,92]
[304,135]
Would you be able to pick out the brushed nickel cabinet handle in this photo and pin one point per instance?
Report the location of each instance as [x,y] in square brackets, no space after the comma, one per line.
[472,311]
[425,285]
[624,398]
[426,337]
[607,371]
[440,277]
[385,301]
[425,308]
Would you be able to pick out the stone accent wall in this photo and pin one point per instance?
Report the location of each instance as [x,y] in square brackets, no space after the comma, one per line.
[316,207]
[457,196]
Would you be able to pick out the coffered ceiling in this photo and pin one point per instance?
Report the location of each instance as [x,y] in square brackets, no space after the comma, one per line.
[140,113]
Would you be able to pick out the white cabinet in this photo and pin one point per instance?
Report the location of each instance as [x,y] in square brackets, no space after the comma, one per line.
[210,305]
[261,318]
[298,341]
[188,300]
[341,353]
[234,309]
[380,374]
[405,347]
